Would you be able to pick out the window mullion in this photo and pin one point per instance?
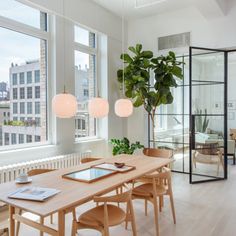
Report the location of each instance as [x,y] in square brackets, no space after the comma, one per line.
[22,28]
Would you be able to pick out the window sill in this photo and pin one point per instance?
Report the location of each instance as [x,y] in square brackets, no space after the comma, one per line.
[89,140]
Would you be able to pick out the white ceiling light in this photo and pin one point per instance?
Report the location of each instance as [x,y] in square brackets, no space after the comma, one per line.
[123,106]
[147,3]
[64,105]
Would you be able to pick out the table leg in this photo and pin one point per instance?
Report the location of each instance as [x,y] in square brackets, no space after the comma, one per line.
[11,220]
[61,223]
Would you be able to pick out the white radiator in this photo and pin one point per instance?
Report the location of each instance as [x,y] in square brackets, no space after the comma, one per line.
[11,172]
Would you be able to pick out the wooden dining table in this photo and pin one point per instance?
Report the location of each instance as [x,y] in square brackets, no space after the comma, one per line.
[73,193]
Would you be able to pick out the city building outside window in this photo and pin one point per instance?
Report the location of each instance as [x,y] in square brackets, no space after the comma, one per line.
[14,79]
[29,108]
[21,138]
[6,139]
[29,92]
[29,77]
[85,58]
[22,108]
[15,106]
[37,138]
[22,93]
[22,78]
[14,93]
[37,76]
[37,108]
[29,138]
[37,91]
[37,121]
[13,139]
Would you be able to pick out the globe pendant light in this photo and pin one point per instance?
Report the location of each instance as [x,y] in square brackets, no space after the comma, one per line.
[64,105]
[123,106]
[98,107]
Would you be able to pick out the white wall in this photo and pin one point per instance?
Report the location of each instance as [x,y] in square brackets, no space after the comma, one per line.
[212,32]
[88,14]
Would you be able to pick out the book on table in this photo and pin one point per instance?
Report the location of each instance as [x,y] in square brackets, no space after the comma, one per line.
[33,193]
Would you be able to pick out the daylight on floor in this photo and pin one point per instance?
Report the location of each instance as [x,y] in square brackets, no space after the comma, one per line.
[117,117]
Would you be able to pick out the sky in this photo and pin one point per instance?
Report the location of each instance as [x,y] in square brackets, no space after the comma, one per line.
[18,48]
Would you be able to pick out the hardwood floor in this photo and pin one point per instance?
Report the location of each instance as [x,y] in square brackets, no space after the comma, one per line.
[207,209]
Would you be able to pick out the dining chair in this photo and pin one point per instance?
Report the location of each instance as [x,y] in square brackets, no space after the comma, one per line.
[158,152]
[156,185]
[102,217]
[89,159]
[4,220]
[33,173]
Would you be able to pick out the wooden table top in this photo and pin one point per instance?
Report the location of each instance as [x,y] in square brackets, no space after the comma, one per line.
[75,193]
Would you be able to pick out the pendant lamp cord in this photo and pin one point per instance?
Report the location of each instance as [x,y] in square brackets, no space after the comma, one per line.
[64,25]
[123,42]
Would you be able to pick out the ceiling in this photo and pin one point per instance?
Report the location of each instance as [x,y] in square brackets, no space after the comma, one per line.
[144,8]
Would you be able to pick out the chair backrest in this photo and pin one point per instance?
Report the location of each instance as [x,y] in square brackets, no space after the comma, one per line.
[122,197]
[157,152]
[38,171]
[89,159]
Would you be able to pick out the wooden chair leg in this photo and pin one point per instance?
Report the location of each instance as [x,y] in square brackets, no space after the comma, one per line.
[18,224]
[132,219]
[160,203]
[117,192]
[73,228]
[41,222]
[146,206]
[156,216]
[172,207]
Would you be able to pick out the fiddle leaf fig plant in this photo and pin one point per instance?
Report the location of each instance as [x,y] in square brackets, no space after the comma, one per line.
[123,146]
[139,65]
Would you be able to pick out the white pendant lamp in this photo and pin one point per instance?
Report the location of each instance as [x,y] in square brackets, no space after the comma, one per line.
[123,106]
[98,107]
[64,105]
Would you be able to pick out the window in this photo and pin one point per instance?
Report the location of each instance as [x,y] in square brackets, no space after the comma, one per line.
[22,93]
[85,79]
[29,138]
[6,138]
[22,78]
[22,108]
[21,138]
[36,76]
[14,79]
[29,107]
[4,113]
[13,139]
[29,77]
[37,138]
[29,92]
[37,91]
[14,93]
[15,110]
[24,61]
[37,108]
[86,93]
[85,37]
[37,121]
[17,11]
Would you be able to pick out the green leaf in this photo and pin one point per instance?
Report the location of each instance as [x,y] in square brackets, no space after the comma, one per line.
[138,48]
[177,71]
[132,49]
[128,93]
[126,57]
[138,102]
[147,54]
[172,54]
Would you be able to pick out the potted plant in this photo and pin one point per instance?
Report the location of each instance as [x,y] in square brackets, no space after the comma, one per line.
[123,146]
[138,68]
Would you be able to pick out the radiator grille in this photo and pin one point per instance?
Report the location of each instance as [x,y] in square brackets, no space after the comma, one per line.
[11,172]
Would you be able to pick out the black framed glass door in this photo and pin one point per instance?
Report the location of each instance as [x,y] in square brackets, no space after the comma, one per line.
[208,114]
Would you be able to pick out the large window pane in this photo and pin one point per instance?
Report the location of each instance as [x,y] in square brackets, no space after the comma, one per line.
[22,13]
[85,37]
[20,58]
[85,68]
